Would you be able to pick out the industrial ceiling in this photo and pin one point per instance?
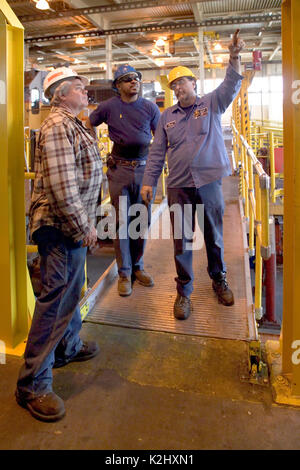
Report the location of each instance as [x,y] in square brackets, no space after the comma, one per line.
[125,31]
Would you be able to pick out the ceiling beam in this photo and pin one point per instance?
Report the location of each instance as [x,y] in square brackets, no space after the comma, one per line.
[275,51]
[171,27]
[47,15]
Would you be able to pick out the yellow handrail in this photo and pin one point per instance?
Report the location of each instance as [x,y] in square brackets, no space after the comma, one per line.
[256,208]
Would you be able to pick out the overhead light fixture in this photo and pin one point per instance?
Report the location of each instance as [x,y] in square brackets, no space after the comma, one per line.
[217,47]
[160,62]
[160,42]
[219,59]
[80,40]
[42,5]
[155,52]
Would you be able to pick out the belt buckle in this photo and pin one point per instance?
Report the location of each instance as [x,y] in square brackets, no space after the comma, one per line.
[134,163]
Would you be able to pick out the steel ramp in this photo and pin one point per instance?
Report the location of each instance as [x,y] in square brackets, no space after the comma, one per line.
[152,308]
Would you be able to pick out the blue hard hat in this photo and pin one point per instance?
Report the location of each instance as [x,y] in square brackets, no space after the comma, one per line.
[122,71]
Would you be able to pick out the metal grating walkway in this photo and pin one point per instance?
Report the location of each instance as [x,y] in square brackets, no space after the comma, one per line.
[152,308]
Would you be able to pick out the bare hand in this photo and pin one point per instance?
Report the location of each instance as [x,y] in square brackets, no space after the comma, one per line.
[91,238]
[147,194]
[236,45]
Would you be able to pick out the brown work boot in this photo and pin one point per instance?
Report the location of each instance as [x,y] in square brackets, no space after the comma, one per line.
[182,307]
[124,286]
[220,286]
[48,407]
[144,278]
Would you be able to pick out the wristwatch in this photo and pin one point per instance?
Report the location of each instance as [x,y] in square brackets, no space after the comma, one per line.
[235,57]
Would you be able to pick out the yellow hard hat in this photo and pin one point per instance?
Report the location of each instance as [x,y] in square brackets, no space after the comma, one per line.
[179,72]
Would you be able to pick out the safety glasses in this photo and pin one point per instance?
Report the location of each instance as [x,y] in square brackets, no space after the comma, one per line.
[129,79]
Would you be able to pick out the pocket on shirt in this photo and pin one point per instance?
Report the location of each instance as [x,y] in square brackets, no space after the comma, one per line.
[201,125]
[173,134]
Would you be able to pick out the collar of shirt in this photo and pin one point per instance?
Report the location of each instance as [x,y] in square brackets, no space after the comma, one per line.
[177,107]
[58,109]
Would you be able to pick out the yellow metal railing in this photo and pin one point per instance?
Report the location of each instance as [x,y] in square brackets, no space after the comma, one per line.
[255,191]
[269,138]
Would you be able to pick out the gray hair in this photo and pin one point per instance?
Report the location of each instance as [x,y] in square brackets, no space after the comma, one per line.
[61,90]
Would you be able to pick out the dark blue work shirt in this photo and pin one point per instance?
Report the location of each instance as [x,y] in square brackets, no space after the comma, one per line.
[128,123]
[193,141]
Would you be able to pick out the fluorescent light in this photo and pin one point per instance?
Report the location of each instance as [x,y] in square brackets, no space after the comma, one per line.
[155,52]
[80,40]
[217,47]
[160,42]
[42,5]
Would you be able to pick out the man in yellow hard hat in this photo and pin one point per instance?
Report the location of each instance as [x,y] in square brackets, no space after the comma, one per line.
[190,134]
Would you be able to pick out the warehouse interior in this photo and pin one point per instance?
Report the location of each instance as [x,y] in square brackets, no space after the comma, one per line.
[224,380]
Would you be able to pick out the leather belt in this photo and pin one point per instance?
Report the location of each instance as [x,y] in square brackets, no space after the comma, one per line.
[130,163]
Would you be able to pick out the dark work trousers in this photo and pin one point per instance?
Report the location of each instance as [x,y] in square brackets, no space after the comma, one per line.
[127,182]
[54,332]
[212,197]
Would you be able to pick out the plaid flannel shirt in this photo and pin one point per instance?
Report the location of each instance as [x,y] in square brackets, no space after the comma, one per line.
[68,177]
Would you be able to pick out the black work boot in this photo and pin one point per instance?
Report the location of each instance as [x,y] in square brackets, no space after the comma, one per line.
[220,286]
[182,307]
[89,349]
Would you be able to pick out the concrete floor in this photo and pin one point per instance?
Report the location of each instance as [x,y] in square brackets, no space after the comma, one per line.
[149,390]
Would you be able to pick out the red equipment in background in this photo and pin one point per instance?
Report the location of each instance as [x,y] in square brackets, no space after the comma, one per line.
[256,59]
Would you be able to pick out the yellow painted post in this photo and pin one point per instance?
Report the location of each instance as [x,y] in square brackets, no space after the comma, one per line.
[258,258]
[291,124]
[13,269]
[265,228]
[246,181]
[272,166]
[163,80]
[251,208]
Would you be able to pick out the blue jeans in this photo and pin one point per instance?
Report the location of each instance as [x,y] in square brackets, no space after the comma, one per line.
[127,182]
[212,197]
[54,332]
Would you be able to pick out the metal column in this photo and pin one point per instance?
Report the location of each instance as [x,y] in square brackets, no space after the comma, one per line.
[286,368]
[291,123]
[201,61]
[13,271]
[108,46]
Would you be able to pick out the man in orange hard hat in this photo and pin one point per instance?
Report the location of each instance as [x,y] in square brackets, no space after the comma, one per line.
[190,134]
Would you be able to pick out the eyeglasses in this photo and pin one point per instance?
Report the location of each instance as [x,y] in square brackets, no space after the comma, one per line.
[178,82]
[129,79]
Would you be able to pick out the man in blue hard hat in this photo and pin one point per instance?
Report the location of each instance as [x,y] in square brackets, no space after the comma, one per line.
[131,122]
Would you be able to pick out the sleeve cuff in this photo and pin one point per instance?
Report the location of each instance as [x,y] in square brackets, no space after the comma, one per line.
[232,73]
[149,181]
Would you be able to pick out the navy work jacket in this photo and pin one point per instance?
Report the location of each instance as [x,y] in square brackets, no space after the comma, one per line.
[193,141]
